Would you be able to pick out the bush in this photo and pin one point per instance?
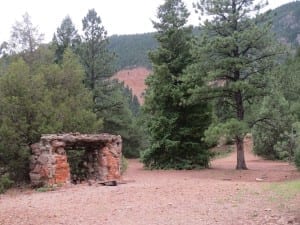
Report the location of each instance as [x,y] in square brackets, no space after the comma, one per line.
[5,183]
[124,164]
[181,160]
[46,188]
[273,136]
[297,158]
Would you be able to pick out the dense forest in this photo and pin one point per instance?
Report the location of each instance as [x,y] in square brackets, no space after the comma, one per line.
[233,78]
[132,50]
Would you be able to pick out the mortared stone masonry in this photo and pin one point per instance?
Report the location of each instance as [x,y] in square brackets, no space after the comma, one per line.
[49,161]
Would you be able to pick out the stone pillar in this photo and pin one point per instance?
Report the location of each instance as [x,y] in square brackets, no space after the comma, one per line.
[41,164]
[110,160]
[48,164]
[62,168]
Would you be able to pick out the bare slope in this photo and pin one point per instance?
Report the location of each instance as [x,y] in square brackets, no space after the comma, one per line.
[135,79]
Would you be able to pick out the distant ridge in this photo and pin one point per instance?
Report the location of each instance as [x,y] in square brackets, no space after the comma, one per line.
[286,23]
[132,50]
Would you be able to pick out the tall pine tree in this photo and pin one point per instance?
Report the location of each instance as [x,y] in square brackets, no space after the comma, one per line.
[25,39]
[66,36]
[95,56]
[175,129]
[109,101]
[234,54]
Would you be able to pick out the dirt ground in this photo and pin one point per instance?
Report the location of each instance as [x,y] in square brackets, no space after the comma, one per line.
[219,195]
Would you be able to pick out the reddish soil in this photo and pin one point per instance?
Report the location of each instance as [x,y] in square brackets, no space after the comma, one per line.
[135,79]
[220,195]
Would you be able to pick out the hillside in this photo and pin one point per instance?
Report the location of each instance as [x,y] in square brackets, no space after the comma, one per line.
[135,79]
[132,50]
[286,23]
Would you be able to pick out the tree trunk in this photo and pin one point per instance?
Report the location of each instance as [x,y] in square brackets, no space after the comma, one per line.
[239,139]
[240,162]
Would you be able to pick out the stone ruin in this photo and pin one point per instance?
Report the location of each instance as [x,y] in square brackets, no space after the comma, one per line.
[49,161]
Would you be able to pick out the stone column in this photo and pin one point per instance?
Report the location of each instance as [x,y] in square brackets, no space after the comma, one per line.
[110,160]
[62,168]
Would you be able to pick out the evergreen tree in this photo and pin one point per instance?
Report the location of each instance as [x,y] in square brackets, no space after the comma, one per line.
[25,38]
[133,101]
[94,50]
[18,118]
[120,120]
[72,101]
[234,54]
[273,135]
[66,36]
[135,106]
[175,129]
[109,101]
[97,62]
[276,134]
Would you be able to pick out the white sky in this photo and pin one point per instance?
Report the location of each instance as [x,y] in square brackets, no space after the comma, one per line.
[118,16]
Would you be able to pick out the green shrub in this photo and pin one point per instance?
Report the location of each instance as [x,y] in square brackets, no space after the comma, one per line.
[124,164]
[297,158]
[5,183]
[183,160]
[46,188]
[273,136]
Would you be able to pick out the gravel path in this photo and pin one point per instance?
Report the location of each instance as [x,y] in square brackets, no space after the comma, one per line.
[219,195]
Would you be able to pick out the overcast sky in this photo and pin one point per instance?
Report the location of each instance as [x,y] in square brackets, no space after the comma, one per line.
[118,16]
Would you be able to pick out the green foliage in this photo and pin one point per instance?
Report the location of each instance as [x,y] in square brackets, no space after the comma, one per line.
[275,136]
[19,119]
[109,101]
[133,101]
[25,37]
[229,130]
[46,188]
[94,53]
[66,37]
[233,54]
[297,158]
[124,164]
[76,159]
[285,190]
[175,129]
[45,99]
[219,153]
[271,134]
[285,22]
[5,183]
[132,50]
[113,106]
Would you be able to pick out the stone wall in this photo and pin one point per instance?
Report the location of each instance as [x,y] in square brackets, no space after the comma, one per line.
[49,161]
